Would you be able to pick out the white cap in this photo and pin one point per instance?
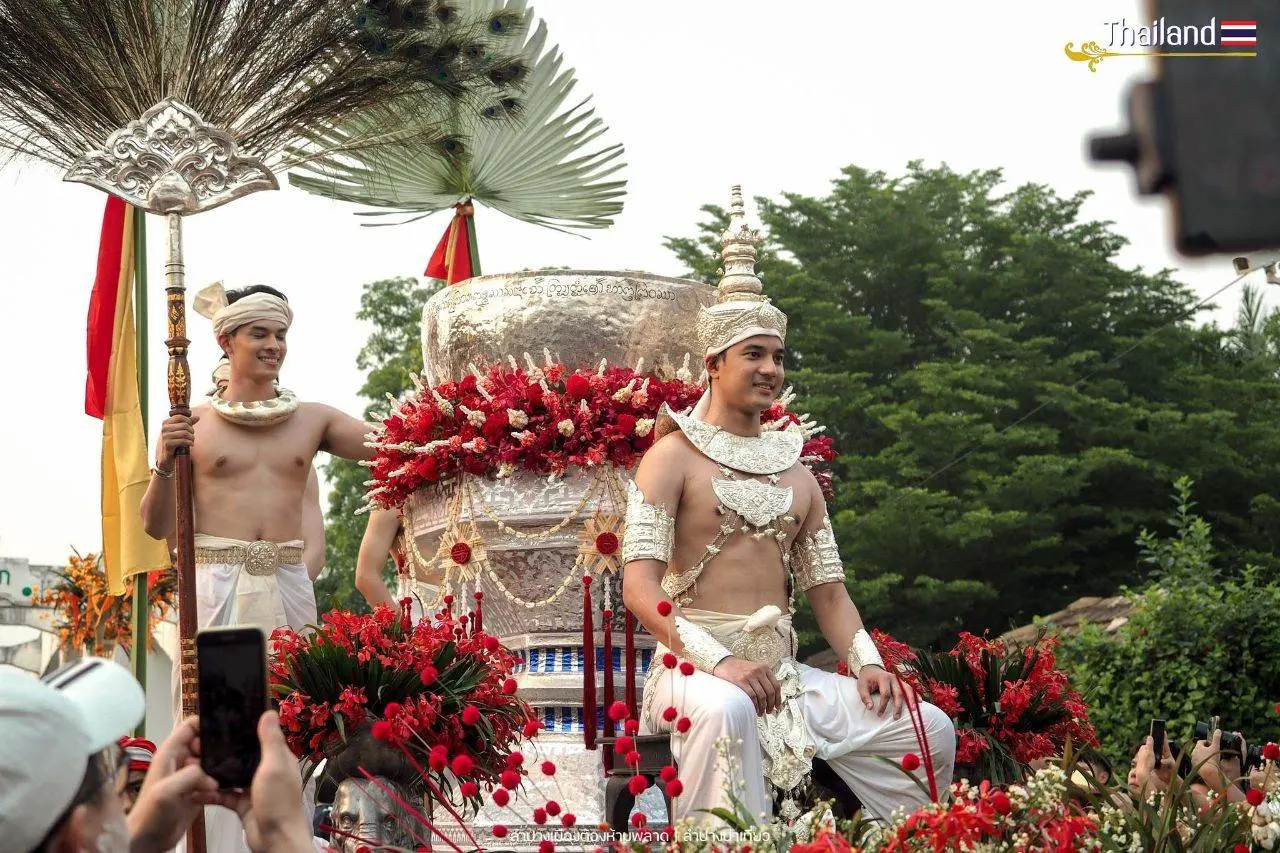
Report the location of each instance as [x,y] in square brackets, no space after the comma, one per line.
[48,730]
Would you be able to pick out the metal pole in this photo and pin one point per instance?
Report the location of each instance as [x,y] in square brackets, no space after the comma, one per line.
[179,382]
[141,601]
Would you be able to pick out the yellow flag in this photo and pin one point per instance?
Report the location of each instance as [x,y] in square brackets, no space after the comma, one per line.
[127,549]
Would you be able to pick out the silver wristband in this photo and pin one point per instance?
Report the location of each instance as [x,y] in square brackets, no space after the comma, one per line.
[862,653]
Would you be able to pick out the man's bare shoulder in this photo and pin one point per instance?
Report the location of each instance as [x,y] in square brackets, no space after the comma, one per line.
[202,409]
[672,447]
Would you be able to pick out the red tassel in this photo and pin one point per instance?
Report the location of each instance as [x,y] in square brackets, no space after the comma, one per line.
[630,665]
[588,668]
[479,611]
[451,260]
[608,686]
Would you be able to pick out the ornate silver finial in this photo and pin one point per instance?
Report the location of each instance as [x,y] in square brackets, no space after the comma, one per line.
[170,161]
[738,249]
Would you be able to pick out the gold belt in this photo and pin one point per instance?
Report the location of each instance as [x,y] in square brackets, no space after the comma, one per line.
[258,558]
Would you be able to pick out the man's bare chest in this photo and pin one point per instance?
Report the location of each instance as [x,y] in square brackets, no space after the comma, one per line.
[225,450]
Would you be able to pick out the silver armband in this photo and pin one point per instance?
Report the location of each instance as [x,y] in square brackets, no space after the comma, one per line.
[650,530]
[700,648]
[863,652]
[815,559]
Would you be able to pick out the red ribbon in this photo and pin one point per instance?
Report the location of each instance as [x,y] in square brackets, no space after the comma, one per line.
[451,261]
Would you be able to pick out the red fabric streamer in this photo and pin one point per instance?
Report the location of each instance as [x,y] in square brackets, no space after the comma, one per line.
[630,665]
[588,668]
[102,307]
[608,686]
[452,260]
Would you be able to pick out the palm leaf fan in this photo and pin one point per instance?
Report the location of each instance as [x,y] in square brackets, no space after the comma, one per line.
[530,158]
[270,73]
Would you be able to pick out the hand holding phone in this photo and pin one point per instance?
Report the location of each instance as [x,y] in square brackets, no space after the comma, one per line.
[232,668]
[1157,740]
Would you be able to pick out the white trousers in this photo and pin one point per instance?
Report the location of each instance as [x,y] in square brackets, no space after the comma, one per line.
[227,595]
[849,737]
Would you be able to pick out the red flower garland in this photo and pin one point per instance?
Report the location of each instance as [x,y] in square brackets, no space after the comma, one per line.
[546,424]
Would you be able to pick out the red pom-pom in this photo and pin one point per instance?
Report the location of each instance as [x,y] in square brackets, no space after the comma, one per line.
[1278,707]
[491,643]
[624,744]
[391,710]
[669,713]
[669,660]
[607,543]
[548,768]
[664,608]
[470,715]
[469,789]
[1001,803]
[499,831]
[667,773]
[638,820]
[539,816]
[1240,848]
[546,845]
[618,711]
[509,779]
[531,728]
[509,687]
[632,727]
[910,762]
[637,785]
[586,580]
[515,759]
[686,668]
[675,788]
[553,808]
[438,762]
[1271,752]
[501,796]
[460,553]
[577,386]
[568,820]
[1254,797]
[428,675]
[382,731]
[683,724]
[462,765]
[633,757]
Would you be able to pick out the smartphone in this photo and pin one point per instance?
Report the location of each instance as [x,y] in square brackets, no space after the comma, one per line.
[1157,739]
[232,667]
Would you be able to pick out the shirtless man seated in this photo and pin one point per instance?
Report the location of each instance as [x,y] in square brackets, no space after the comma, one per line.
[725,526]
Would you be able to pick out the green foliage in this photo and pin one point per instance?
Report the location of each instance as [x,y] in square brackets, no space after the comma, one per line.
[1192,647]
[392,354]
[1009,403]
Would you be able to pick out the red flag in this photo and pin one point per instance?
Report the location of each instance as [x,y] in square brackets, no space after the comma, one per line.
[451,260]
[102,307]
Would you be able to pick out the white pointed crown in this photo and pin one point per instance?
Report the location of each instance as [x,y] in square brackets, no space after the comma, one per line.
[741,309]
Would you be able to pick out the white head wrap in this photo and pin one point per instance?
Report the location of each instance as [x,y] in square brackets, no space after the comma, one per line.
[211,302]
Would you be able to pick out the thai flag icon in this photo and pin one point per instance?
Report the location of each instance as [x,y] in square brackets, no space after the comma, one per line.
[1239,33]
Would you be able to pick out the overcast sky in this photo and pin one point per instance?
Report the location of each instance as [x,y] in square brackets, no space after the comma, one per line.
[704,94]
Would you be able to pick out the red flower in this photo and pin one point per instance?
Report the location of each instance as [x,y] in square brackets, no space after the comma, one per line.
[462,765]
[633,758]
[510,779]
[669,713]
[469,789]
[607,543]
[515,759]
[683,724]
[509,686]
[577,387]
[624,744]
[911,762]
[428,675]
[637,785]
[548,768]
[382,731]
[539,816]
[546,846]
[553,808]
[499,831]
[460,553]
[470,715]
[1271,752]
[1001,803]
[1254,797]
[568,820]
[531,728]
[669,660]
[632,727]
[501,797]
[675,787]
[668,773]
[664,610]
[686,668]
[618,711]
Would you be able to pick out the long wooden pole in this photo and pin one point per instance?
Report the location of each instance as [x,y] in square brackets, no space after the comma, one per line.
[179,382]
[141,601]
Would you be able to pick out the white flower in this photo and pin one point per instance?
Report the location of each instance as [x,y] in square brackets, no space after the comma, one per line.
[644,426]
[517,418]
[565,427]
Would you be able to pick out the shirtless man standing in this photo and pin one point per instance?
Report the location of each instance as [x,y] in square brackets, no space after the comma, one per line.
[252,447]
[722,517]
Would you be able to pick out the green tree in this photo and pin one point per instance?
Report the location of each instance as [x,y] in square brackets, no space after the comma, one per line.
[1009,402]
[1193,647]
[392,354]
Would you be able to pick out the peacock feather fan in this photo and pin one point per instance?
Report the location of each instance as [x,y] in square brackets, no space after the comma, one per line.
[527,156]
[272,73]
